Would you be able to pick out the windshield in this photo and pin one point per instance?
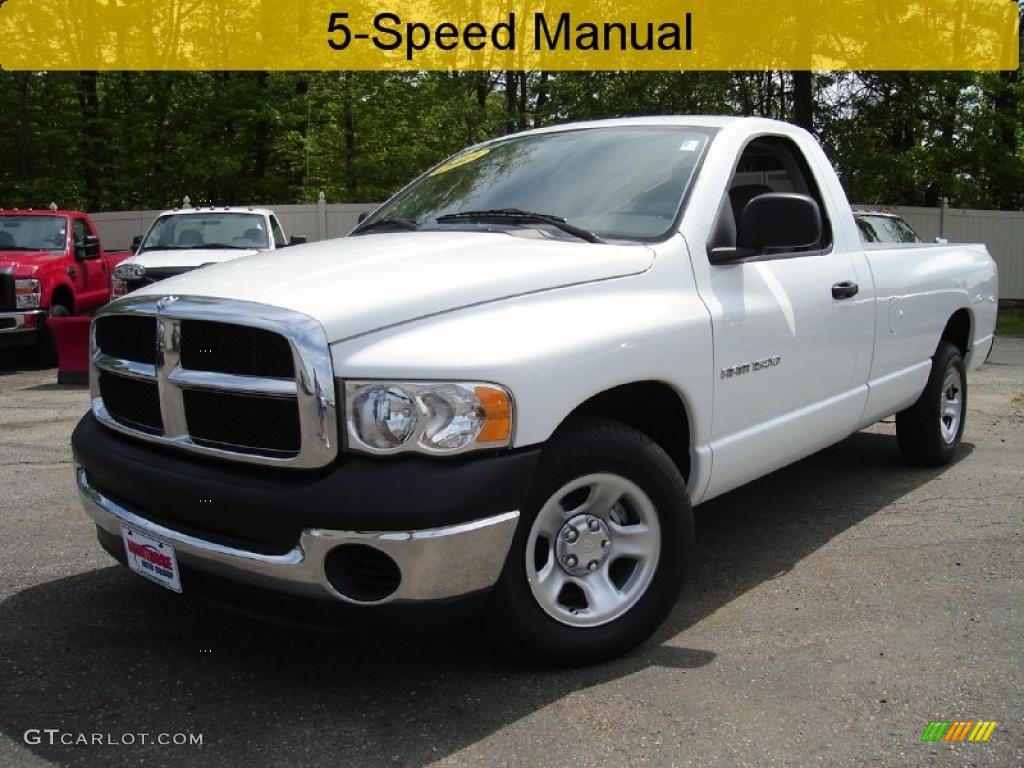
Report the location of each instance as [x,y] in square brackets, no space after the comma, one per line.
[207,230]
[624,183]
[33,233]
[885,229]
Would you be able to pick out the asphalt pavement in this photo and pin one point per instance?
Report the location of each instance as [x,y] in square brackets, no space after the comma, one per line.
[834,609]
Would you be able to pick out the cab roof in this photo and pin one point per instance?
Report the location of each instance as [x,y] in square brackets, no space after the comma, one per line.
[208,209]
[692,121]
[37,212]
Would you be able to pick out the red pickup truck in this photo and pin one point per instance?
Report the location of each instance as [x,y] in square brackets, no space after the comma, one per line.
[52,264]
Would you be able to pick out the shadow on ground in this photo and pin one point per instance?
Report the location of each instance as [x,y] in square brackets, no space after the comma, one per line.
[21,359]
[103,652]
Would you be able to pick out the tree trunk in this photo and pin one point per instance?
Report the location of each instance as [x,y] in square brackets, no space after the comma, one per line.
[23,145]
[542,93]
[803,100]
[349,125]
[511,89]
[261,132]
[521,106]
[91,139]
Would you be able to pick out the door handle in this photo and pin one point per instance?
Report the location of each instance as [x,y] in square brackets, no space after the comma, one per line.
[845,290]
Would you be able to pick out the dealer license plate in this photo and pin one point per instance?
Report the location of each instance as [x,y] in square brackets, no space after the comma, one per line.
[151,558]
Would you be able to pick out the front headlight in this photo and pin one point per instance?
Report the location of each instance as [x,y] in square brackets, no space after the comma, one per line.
[27,292]
[129,271]
[438,418]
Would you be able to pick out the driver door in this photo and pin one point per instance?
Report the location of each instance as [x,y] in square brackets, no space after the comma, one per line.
[786,350]
[93,282]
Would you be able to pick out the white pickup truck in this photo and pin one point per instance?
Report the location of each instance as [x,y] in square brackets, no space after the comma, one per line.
[510,384]
[184,239]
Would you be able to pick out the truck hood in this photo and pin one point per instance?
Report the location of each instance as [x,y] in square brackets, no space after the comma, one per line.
[187,258]
[27,263]
[360,284]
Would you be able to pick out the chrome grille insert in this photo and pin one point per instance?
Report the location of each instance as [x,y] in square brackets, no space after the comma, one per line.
[235,349]
[128,337]
[262,425]
[258,416]
[134,403]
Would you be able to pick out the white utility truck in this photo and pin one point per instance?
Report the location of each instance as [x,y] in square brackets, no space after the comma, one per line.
[188,238]
[510,383]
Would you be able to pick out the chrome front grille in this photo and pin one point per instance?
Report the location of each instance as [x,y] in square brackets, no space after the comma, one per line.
[233,379]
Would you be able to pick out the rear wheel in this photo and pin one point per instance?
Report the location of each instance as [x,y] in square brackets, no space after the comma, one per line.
[929,431]
[601,549]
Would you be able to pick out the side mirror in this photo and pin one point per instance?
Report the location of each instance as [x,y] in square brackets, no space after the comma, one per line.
[136,243]
[297,240]
[779,221]
[941,241]
[89,249]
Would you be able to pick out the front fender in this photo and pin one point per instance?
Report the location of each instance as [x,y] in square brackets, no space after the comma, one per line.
[554,350]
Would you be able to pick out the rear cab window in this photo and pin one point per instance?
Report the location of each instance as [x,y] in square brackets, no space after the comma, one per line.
[885,228]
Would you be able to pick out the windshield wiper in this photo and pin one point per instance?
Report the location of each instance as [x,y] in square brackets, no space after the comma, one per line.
[24,248]
[407,225]
[524,217]
[217,247]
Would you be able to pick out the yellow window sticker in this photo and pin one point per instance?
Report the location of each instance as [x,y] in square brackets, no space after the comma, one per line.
[459,160]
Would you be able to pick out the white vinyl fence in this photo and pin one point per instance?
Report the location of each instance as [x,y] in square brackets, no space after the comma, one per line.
[1001,231]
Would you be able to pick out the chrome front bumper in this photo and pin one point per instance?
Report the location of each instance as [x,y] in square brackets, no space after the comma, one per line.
[435,563]
[19,326]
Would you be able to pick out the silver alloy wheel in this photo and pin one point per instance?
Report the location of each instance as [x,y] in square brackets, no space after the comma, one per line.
[951,406]
[593,550]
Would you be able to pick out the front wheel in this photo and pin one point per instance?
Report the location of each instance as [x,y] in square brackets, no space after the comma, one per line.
[601,549]
[929,431]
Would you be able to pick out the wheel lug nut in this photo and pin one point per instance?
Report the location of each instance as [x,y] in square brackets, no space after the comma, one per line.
[592,565]
[570,561]
[593,524]
[605,544]
[570,534]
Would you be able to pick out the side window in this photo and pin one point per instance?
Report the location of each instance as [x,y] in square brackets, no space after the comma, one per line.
[79,231]
[768,164]
[279,239]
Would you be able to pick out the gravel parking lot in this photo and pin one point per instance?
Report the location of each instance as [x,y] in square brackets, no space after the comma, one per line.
[834,609]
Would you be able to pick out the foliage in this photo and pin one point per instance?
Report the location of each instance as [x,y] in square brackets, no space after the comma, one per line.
[1010,321]
[139,140]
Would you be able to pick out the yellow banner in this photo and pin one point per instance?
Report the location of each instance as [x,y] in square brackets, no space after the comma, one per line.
[473,34]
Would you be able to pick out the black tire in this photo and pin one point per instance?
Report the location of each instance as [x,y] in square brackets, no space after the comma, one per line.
[919,429]
[587,447]
[59,310]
